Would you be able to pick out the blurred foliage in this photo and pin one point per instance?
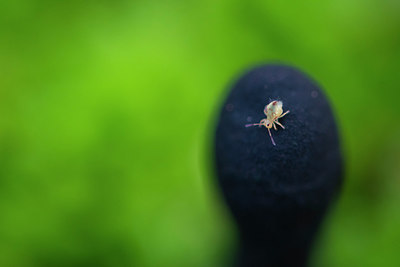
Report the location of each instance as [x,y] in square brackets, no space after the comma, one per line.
[106,112]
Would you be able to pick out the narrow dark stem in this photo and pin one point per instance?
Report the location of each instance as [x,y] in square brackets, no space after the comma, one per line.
[284,239]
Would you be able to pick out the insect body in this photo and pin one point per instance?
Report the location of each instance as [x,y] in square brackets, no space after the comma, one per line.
[273,111]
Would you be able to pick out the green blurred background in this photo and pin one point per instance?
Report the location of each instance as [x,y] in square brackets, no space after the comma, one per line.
[106,114]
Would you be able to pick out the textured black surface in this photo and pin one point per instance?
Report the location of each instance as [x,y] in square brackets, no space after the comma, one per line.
[277,194]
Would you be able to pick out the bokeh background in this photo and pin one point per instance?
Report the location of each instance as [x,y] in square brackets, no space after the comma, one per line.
[106,119]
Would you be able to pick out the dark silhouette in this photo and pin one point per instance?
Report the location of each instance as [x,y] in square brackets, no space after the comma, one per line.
[277,194]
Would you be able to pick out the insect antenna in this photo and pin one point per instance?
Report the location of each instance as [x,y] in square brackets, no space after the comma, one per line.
[253,124]
[272,139]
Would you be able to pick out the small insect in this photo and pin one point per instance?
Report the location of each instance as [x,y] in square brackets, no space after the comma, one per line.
[273,111]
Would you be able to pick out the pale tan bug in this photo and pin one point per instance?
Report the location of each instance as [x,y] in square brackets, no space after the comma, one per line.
[273,111]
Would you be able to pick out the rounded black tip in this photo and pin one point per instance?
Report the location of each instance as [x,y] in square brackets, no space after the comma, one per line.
[277,194]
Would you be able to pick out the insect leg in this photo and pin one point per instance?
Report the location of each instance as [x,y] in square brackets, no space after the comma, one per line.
[277,122]
[272,139]
[284,114]
[273,124]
